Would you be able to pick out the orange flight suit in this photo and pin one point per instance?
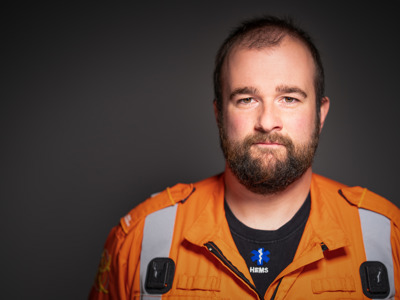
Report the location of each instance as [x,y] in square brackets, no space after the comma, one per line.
[326,264]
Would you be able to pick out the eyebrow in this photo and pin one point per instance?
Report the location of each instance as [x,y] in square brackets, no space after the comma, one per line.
[290,89]
[279,89]
[243,90]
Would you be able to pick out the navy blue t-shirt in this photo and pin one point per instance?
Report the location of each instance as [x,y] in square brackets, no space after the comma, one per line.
[268,252]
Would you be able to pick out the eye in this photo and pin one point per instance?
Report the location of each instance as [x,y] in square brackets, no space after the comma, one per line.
[246,100]
[289,100]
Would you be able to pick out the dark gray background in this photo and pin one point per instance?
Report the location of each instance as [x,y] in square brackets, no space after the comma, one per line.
[103,105]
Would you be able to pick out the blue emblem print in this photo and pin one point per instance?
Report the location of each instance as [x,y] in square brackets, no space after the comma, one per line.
[260,256]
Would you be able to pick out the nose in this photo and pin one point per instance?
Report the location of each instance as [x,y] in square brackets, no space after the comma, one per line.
[268,119]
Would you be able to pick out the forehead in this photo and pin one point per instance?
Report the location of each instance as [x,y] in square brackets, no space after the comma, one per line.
[288,63]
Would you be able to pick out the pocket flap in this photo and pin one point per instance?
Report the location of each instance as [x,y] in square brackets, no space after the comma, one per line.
[344,284]
[206,283]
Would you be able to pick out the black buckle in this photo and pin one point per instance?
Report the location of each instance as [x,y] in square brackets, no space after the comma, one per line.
[374,279]
[160,275]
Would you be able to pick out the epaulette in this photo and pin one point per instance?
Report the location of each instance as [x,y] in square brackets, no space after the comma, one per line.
[364,198]
[170,196]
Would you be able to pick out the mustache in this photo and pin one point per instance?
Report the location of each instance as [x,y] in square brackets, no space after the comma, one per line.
[261,137]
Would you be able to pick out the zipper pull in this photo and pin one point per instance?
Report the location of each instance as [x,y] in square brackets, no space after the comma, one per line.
[324,247]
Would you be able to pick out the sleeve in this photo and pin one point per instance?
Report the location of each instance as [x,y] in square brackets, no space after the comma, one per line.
[110,280]
[395,240]
[118,274]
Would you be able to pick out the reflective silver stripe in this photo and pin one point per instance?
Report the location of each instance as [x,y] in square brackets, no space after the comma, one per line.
[157,239]
[376,236]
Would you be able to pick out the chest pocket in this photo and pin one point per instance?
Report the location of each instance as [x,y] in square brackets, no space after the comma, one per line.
[345,284]
[204,283]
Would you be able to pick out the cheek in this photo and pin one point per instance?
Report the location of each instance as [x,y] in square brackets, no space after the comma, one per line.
[301,128]
[237,126]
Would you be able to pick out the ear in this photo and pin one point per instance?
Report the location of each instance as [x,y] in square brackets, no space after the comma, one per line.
[325,103]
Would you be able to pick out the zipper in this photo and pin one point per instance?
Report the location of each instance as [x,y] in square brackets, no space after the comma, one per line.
[217,252]
[276,290]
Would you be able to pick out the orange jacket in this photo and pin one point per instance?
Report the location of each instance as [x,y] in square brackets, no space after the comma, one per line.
[330,271]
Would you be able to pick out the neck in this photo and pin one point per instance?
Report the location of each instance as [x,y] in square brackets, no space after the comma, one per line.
[266,212]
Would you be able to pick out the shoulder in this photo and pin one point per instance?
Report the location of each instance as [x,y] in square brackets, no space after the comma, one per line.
[129,232]
[366,199]
[178,193]
[359,197]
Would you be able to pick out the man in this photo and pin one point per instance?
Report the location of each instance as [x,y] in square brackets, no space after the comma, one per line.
[267,228]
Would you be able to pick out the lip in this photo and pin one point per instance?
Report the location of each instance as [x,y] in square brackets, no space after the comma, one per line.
[268,144]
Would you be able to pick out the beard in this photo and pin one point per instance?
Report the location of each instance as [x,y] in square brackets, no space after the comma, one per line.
[270,170]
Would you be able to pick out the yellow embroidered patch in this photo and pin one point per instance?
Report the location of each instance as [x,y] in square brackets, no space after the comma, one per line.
[103,272]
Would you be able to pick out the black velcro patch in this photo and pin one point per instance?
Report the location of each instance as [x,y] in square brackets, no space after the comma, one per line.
[374,279]
[160,275]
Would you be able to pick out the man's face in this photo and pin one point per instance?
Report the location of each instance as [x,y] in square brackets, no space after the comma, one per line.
[268,128]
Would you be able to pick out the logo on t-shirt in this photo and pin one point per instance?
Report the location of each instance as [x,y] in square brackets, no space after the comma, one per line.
[260,256]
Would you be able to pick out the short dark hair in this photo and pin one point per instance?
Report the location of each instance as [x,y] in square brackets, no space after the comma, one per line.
[267,31]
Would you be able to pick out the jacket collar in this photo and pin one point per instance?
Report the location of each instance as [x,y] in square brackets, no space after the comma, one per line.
[321,223]
[211,222]
[321,227]
[212,226]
